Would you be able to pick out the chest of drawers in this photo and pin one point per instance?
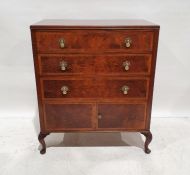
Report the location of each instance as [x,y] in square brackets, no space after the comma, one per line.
[94,75]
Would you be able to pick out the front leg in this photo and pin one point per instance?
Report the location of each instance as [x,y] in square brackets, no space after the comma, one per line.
[148,136]
[41,140]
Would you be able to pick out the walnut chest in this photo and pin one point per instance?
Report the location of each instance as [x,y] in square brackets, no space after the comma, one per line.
[94,75]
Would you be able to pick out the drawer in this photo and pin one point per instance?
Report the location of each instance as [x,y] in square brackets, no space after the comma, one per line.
[62,41]
[66,64]
[123,64]
[114,64]
[125,88]
[69,88]
[68,116]
[95,88]
[121,116]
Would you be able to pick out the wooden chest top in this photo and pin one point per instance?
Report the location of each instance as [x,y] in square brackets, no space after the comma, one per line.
[127,23]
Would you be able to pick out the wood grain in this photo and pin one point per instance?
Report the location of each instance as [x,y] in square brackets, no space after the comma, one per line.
[78,64]
[95,88]
[68,116]
[93,41]
[95,51]
[122,116]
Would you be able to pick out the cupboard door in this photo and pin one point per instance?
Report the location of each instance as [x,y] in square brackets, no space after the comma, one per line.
[68,116]
[121,116]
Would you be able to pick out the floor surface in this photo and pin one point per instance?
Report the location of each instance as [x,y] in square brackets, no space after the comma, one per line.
[95,154]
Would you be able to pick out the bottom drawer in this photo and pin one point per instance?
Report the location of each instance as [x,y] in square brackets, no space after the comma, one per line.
[121,116]
[68,116]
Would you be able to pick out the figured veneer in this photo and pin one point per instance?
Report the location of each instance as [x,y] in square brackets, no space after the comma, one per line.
[68,116]
[93,40]
[126,116]
[94,75]
[95,88]
[95,64]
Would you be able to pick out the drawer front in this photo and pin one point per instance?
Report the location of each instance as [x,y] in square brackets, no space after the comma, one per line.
[68,116]
[61,41]
[96,88]
[122,88]
[76,88]
[125,64]
[66,64]
[121,116]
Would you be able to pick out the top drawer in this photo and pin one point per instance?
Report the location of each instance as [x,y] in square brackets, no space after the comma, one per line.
[63,41]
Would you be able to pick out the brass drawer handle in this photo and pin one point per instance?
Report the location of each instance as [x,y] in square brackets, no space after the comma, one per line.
[63,65]
[126,65]
[62,43]
[128,42]
[125,89]
[64,90]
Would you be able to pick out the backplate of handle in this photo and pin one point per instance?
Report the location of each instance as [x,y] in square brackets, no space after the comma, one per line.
[64,89]
[125,89]
[62,43]
[63,65]
[126,65]
[128,42]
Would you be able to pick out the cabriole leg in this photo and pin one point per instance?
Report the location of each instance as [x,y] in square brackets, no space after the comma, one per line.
[41,140]
[148,136]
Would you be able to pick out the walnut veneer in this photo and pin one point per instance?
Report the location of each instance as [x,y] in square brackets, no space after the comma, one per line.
[94,75]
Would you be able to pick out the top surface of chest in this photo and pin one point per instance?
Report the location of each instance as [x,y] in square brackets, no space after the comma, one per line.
[59,23]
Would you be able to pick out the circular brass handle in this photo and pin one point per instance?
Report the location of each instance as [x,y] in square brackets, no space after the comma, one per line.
[63,65]
[125,89]
[64,90]
[126,65]
[62,43]
[128,42]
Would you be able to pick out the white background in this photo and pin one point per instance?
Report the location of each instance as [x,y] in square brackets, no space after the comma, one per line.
[172,82]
